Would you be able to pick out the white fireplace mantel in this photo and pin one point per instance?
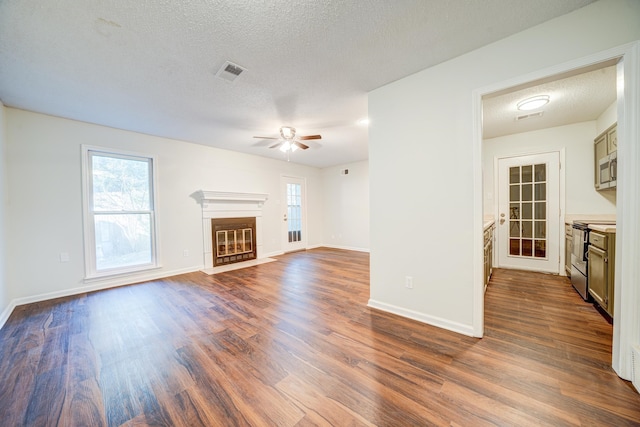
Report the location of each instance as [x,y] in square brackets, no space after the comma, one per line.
[220,204]
[207,197]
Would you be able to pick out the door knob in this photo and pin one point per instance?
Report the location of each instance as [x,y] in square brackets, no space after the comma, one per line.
[501,221]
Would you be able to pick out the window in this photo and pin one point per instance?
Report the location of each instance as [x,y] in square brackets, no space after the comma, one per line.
[119,212]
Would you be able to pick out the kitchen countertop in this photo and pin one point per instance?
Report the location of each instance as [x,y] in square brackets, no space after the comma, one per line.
[570,218]
[603,228]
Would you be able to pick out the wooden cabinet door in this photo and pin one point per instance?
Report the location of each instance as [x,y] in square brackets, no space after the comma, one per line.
[598,276]
[568,248]
[612,140]
[600,150]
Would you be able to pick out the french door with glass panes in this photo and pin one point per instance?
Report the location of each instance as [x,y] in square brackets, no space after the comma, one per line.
[528,212]
[294,217]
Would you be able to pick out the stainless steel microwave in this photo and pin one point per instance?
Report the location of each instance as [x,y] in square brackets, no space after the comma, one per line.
[608,166]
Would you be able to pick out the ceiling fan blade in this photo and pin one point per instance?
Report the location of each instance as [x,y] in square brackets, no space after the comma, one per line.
[266,137]
[307,137]
[300,145]
[276,145]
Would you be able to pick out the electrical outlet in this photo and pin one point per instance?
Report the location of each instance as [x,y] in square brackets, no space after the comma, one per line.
[185,253]
[64,257]
[408,282]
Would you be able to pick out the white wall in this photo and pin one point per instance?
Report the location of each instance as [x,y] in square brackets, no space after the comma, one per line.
[607,118]
[345,219]
[45,207]
[581,196]
[4,293]
[422,196]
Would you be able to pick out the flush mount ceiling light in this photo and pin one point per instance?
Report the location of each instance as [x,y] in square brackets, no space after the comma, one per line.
[533,103]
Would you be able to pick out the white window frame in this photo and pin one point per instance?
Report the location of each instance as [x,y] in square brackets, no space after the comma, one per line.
[91,271]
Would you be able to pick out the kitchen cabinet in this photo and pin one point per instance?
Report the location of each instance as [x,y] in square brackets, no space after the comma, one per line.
[604,144]
[489,234]
[601,271]
[568,248]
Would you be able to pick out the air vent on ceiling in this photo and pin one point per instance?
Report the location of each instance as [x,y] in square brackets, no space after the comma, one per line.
[529,116]
[230,71]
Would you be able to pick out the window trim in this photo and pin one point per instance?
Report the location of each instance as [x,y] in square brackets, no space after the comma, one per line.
[91,271]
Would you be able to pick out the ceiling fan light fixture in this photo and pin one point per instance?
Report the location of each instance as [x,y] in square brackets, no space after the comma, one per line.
[287,132]
[288,146]
[533,102]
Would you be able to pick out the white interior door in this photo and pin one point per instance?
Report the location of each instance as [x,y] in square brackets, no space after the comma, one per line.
[528,221]
[294,216]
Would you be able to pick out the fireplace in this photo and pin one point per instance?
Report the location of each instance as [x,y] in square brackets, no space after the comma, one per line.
[224,205]
[234,240]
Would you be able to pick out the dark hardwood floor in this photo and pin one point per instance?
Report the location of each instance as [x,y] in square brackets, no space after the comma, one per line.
[292,342]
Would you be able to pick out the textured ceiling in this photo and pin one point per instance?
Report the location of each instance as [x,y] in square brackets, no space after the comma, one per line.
[149,66]
[582,96]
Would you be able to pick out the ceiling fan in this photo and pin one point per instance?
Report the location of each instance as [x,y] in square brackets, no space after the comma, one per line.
[288,142]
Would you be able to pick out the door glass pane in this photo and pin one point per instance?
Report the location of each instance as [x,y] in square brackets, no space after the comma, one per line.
[514,175]
[541,191]
[541,210]
[541,249]
[514,229]
[294,212]
[514,193]
[514,247]
[541,172]
[514,211]
[528,211]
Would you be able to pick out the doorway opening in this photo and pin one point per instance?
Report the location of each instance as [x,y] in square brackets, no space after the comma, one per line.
[626,322]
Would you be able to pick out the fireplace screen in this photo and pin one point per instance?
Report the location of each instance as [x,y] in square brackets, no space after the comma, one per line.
[233,240]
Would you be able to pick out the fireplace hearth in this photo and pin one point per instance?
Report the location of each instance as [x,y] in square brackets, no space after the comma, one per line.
[234,240]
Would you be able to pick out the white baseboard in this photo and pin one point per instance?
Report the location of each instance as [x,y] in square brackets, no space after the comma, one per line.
[346,248]
[4,316]
[271,254]
[424,318]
